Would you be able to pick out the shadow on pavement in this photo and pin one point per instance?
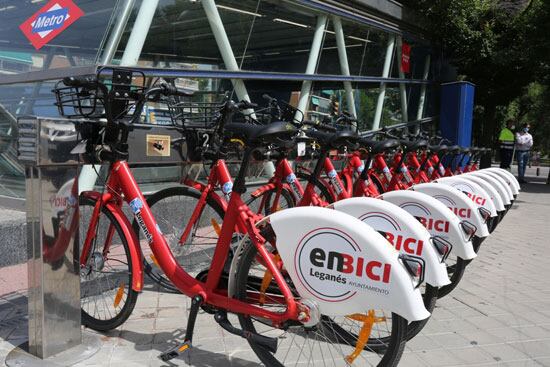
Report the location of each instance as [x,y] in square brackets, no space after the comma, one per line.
[535,185]
[195,357]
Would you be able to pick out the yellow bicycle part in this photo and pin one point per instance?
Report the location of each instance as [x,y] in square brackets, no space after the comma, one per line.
[154,260]
[119,294]
[268,277]
[239,141]
[368,321]
[216,226]
[183,347]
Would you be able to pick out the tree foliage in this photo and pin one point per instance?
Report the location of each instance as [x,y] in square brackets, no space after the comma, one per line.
[501,46]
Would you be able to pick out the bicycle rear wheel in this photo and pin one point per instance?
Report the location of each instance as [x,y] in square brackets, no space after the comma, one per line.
[172,208]
[106,295]
[328,343]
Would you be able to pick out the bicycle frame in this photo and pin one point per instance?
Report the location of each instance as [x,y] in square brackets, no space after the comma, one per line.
[218,177]
[122,184]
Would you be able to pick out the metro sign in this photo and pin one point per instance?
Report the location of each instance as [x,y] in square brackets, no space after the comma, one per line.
[52,19]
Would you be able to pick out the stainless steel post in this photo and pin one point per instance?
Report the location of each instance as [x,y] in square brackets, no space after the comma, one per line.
[52,239]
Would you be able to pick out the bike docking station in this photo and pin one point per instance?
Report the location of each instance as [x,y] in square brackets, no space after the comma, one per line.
[48,147]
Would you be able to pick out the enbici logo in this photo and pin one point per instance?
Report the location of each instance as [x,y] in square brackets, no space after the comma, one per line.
[333,267]
[425,216]
[52,19]
[451,204]
[394,232]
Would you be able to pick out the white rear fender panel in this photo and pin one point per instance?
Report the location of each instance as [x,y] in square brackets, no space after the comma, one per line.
[460,204]
[507,177]
[472,190]
[436,217]
[401,229]
[495,183]
[344,265]
[503,183]
[493,193]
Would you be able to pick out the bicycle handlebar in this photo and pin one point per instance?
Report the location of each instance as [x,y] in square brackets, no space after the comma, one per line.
[81,82]
[170,90]
[319,125]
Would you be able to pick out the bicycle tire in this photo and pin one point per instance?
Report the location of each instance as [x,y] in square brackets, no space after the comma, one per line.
[430,296]
[392,349]
[456,273]
[152,271]
[91,320]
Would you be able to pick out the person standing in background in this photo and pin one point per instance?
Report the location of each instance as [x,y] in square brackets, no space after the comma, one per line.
[524,142]
[506,141]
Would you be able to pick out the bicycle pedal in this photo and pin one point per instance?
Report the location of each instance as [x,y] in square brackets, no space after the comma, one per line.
[176,351]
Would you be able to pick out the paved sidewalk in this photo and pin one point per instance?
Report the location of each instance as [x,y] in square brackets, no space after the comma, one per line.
[499,315]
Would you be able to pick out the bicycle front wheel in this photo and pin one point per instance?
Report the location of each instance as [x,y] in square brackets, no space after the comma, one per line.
[329,343]
[106,295]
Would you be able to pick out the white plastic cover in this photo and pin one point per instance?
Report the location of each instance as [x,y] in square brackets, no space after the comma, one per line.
[402,230]
[436,217]
[497,183]
[493,193]
[472,190]
[510,178]
[504,182]
[460,204]
[344,265]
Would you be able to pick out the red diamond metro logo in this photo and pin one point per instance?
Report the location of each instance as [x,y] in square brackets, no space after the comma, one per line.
[52,19]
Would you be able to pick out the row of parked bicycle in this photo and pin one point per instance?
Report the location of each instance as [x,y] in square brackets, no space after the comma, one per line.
[318,265]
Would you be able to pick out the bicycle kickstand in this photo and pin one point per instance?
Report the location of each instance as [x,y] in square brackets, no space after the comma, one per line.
[184,347]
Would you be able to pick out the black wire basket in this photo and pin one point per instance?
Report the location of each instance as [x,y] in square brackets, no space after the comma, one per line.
[195,115]
[78,101]
[122,89]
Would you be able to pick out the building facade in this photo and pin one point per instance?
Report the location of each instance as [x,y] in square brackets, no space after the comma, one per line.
[364,57]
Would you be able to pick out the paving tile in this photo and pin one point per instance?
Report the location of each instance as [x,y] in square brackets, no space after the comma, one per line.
[504,352]
[534,348]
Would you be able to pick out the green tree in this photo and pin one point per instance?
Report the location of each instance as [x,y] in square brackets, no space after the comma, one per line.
[501,46]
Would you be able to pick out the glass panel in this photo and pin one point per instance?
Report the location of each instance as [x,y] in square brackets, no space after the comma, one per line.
[180,36]
[281,38]
[391,113]
[365,50]
[76,45]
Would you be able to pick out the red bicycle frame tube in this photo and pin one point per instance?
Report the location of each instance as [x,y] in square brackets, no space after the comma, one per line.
[439,170]
[418,173]
[122,181]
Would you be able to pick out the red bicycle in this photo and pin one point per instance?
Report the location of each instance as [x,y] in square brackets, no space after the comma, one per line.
[270,313]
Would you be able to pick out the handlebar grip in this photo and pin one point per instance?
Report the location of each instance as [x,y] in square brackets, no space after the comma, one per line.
[245,105]
[170,90]
[85,82]
[267,97]
[320,126]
